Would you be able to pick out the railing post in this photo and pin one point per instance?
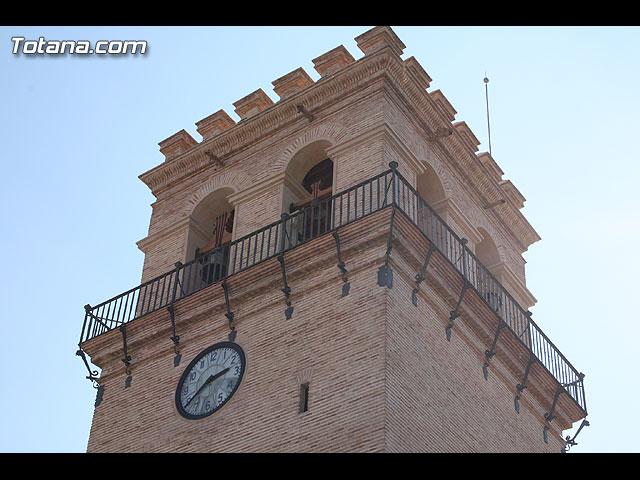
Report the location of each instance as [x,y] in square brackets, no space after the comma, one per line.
[528,315]
[463,244]
[178,265]
[394,177]
[385,272]
[283,231]
[86,327]
[285,289]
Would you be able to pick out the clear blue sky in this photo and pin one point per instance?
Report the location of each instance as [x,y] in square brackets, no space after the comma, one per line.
[76,131]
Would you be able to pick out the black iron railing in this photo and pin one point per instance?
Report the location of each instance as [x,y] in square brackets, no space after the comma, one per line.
[387,189]
[489,288]
[268,242]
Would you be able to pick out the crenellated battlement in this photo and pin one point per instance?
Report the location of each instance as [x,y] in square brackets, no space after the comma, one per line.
[292,83]
[332,61]
[298,94]
[298,82]
[252,104]
[214,124]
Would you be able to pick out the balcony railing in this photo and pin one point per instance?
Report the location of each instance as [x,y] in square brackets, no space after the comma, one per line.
[388,189]
[489,289]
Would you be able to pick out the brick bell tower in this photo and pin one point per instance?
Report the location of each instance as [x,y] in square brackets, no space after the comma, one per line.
[338,271]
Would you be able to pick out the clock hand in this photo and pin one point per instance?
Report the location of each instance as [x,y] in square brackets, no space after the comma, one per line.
[207,382]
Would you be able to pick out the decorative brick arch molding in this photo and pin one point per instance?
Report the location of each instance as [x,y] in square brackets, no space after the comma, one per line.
[236,180]
[435,163]
[331,133]
[502,263]
[491,235]
[303,153]
[198,229]
[436,187]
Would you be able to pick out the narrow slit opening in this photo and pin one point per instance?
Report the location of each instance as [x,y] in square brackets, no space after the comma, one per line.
[304,397]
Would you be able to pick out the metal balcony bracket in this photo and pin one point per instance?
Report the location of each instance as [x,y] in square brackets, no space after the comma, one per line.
[93,374]
[175,338]
[521,386]
[229,314]
[343,270]
[549,416]
[127,358]
[456,313]
[488,354]
[421,276]
[286,290]
[385,272]
[571,442]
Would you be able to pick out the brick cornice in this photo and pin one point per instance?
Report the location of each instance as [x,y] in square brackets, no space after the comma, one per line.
[456,149]
[324,92]
[332,88]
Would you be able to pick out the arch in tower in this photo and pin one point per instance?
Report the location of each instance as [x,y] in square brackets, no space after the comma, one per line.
[205,208]
[309,179]
[304,153]
[489,255]
[210,226]
[309,175]
[487,251]
[431,188]
[211,223]
[327,134]
[306,158]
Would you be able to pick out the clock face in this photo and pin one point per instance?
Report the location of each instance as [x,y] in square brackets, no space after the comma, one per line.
[210,380]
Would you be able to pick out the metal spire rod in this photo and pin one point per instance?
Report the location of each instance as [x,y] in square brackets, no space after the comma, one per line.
[486,91]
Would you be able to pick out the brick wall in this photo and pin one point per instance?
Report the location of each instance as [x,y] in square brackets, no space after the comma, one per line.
[382,375]
[438,398]
[334,343]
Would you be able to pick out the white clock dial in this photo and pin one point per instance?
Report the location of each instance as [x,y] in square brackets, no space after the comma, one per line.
[210,380]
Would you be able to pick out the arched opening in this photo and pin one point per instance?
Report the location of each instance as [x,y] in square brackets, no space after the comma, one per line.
[307,158]
[211,227]
[310,181]
[488,254]
[431,189]
[318,181]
